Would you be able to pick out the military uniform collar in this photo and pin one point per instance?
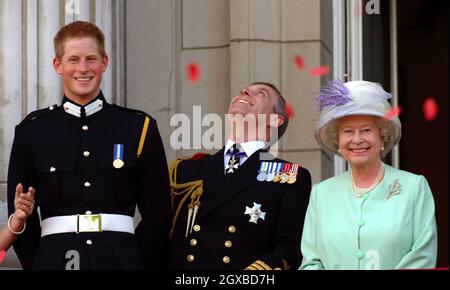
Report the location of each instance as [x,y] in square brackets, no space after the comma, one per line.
[248,147]
[89,109]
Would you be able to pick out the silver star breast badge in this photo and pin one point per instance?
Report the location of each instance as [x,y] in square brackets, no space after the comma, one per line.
[255,213]
[394,188]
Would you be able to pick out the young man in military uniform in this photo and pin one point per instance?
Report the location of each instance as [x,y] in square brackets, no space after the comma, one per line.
[91,163]
[238,209]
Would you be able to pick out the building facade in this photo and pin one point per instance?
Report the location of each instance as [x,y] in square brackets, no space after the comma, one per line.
[152,44]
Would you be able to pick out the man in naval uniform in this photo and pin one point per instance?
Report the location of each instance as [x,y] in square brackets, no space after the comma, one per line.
[238,209]
[91,163]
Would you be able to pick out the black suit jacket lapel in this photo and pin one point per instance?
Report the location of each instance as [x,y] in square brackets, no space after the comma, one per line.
[218,189]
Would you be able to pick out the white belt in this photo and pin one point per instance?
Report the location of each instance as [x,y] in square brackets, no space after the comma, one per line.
[87,223]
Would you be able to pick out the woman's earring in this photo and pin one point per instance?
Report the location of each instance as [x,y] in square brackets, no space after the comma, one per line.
[382,148]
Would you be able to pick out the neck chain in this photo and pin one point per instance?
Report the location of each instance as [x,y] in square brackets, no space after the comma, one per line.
[359,191]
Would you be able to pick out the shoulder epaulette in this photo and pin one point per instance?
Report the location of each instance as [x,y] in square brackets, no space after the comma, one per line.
[37,114]
[192,190]
[147,119]
[139,112]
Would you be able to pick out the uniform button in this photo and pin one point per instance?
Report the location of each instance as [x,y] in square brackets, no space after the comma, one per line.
[87,184]
[190,258]
[85,128]
[361,222]
[359,254]
[193,242]
[228,244]
[226,259]
[89,242]
[232,229]
[88,212]
[196,228]
[52,169]
[86,153]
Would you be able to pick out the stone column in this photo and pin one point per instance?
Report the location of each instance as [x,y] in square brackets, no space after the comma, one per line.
[205,42]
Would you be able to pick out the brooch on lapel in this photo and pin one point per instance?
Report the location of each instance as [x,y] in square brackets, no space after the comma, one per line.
[255,213]
[394,188]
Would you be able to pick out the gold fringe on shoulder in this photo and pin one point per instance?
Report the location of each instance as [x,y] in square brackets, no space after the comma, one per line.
[192,190]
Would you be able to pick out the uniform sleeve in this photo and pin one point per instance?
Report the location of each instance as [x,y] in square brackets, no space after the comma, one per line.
[286,254]
[311,256]
[423,253]
[21,170]
[152,233]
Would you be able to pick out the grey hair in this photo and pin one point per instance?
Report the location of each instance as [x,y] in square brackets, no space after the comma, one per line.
[279,107]
[387,133]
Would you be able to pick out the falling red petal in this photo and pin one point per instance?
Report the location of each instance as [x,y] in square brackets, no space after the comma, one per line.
[2,255]
[430,109]
[299,62]
[320,71]
[193,72]
[289,111]
[393,113]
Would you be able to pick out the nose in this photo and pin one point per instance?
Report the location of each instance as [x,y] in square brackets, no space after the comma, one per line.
[245,92]
[357,138]
[82,66]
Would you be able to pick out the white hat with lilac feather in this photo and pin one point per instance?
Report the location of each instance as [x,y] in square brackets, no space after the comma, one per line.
[337,100]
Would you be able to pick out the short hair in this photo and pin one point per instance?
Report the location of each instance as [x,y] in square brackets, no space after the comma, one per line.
[279,107]
[78,29]
[387,133]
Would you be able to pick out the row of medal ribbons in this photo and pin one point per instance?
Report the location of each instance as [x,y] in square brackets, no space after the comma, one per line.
[277,172]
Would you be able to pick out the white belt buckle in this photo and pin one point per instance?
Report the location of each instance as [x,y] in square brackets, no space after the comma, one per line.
[89,223]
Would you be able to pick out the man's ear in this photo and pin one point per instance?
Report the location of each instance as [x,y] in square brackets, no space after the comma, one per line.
[57,66]
[276,120]
[105,61]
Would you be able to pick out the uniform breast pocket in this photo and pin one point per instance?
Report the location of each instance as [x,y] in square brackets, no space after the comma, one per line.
[56,183]
[118,184]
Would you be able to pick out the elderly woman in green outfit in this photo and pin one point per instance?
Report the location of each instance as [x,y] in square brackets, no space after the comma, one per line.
[372,216]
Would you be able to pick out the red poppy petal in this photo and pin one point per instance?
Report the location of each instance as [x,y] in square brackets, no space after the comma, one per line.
[430,109]
[289,111]
[393,113]
[299,63]
[193,72]
[320,71]
[2,255]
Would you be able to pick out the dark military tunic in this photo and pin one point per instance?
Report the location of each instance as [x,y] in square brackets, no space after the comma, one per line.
[69,161]
[222,237]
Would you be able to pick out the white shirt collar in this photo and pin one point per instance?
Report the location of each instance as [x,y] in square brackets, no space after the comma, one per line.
[248,147]
[90,109]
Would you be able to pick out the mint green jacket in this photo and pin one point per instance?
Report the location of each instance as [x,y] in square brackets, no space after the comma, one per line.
[391,227]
